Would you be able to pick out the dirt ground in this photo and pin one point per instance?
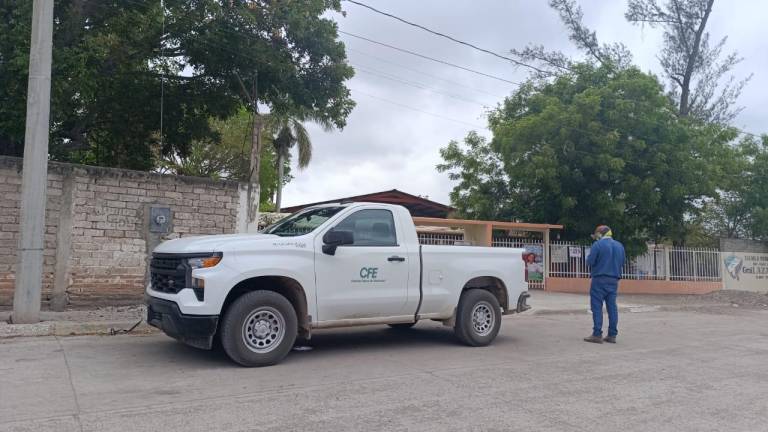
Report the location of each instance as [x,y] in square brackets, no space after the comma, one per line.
[716,301]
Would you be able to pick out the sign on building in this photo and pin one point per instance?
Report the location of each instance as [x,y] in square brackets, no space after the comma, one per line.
[745,271]
[574,251]
[559,254]
[534,262]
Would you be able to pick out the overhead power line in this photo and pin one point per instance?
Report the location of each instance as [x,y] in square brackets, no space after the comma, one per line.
[420,72]
[401,105]
[417,85]
[451,38]
[413,53]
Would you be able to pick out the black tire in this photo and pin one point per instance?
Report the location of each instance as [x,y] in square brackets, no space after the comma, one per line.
[259,329]
[477,332]
[402,326]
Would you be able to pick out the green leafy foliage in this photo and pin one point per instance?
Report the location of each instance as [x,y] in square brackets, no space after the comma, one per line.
[227,156]
[739,208]
[595,146]
[756,197]
[111,59]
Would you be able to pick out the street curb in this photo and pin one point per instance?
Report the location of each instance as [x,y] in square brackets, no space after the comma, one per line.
[639,309]
[72,328]
[586,310]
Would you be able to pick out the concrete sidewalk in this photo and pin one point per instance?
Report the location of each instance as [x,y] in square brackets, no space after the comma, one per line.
[104,320]
[544,302]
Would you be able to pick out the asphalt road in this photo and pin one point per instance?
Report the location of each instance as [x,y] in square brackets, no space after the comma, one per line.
[670,371]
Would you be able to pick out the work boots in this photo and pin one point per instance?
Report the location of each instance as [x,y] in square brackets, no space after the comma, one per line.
[610,339]
[594,339]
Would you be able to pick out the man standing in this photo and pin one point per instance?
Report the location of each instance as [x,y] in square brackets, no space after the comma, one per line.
[606,258]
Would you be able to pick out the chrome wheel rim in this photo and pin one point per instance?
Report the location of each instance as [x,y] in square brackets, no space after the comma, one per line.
[483,318]
[263,329]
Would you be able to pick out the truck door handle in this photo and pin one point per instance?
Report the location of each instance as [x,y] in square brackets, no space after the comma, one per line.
[396,258]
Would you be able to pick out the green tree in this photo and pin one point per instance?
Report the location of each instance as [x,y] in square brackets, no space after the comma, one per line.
[694,66]
[555,62]
[287,132]
[112,61]
[756,197]
[697,69]
[226,156]
[593,146]
[739,210]
[483,191]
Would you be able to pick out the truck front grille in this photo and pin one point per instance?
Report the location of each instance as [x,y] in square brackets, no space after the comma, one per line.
[168,274]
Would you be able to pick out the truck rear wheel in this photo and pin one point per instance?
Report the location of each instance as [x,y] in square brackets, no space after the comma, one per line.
[478,317]
[259,329]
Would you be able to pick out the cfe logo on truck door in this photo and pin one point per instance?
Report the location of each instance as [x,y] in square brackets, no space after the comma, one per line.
[368,275]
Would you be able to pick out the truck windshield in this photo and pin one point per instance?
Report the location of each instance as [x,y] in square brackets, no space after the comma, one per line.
[303,222]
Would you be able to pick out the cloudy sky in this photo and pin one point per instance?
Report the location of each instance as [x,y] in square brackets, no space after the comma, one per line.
[408,108]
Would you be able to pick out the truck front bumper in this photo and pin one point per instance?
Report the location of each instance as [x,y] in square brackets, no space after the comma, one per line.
[194,330]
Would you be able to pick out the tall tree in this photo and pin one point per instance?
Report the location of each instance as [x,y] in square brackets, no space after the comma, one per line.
[104,95]
[226,156]
[287,132]
[695,66]
[593,146]
[112,61]
[740,209]
[483,191]
[757,196]
[553,63]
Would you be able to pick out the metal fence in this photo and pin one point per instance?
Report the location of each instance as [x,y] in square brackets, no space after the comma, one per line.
[442,239]
[569,260]
[698,264]
[658,263]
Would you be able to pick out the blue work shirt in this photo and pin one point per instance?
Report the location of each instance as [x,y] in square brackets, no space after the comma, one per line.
[606,258]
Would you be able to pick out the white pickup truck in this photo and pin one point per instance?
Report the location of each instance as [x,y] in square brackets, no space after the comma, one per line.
[328,266]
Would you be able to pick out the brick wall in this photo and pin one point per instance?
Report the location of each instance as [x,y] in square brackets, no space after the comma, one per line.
[10,192]
[106,213]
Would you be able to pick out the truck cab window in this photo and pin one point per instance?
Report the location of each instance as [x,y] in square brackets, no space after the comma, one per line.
[371,228]
[303,222]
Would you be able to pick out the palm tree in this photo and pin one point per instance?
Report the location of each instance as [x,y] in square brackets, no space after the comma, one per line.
[289,131]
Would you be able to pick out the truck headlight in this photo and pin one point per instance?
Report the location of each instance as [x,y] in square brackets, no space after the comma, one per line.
[204,262]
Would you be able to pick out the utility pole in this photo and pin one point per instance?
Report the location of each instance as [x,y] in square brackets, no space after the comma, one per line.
[29,269]
[254,187]
[280,175]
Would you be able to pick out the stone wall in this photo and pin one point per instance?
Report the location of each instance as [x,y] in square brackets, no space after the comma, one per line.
[97,237]
[10,194]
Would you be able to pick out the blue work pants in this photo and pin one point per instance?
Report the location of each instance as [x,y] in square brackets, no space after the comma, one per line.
[604,289]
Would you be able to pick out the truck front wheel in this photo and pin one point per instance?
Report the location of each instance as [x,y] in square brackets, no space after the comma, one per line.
[259,329]
[478,317]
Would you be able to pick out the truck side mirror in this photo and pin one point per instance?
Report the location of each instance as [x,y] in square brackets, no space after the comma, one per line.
[333,239]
